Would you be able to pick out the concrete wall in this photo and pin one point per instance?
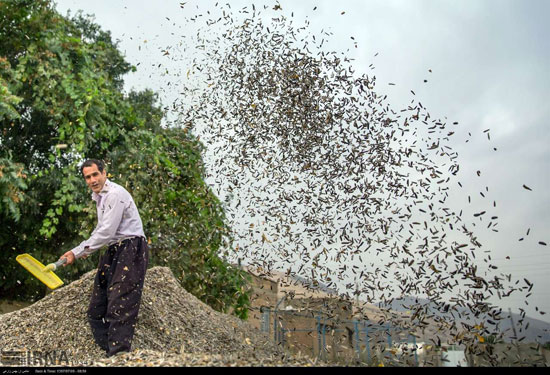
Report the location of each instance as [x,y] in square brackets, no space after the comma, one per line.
[265,293]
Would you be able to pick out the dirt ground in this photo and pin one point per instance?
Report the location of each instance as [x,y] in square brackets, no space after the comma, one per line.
[7,306]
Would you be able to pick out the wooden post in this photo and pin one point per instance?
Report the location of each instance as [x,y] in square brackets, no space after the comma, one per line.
[515,333]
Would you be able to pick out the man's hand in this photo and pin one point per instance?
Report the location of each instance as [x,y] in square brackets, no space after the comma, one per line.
[70,257]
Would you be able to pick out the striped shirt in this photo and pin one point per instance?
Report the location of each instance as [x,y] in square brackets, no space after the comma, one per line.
[117,219]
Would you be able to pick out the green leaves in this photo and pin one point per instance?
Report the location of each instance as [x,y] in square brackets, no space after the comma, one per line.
[12,186]
[8,101]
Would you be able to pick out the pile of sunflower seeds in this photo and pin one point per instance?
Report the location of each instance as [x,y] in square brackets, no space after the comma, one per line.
[174,329]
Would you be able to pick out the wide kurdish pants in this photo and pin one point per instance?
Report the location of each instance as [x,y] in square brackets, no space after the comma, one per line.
[116,294]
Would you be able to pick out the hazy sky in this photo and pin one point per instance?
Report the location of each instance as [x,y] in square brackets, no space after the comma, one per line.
[490,64]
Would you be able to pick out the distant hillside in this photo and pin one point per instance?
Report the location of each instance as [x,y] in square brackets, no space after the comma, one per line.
[528,329]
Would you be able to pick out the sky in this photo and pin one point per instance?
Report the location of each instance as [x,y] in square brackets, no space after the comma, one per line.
[489,63]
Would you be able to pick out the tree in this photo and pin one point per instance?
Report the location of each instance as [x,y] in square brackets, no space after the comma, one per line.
[61,101]
[180,212]
[12,176]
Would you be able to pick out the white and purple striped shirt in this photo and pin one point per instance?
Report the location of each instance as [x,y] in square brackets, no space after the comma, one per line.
[117,219]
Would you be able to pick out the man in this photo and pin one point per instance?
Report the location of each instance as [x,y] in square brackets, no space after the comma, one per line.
[118,284]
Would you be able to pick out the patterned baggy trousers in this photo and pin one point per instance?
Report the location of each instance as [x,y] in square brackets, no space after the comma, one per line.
[116,294]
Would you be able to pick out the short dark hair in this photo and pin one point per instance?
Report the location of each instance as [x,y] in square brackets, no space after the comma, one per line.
[90,162]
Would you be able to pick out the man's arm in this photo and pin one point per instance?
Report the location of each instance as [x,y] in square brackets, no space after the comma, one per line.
[104,232]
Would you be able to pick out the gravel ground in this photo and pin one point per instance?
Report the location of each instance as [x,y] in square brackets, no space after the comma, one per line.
[174,329]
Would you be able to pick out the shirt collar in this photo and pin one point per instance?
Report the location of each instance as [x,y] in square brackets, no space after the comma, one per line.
[104,190]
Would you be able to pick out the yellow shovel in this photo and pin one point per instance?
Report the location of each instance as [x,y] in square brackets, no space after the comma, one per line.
[41,272]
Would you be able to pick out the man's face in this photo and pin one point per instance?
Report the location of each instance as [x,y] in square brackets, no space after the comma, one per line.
[94,178]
